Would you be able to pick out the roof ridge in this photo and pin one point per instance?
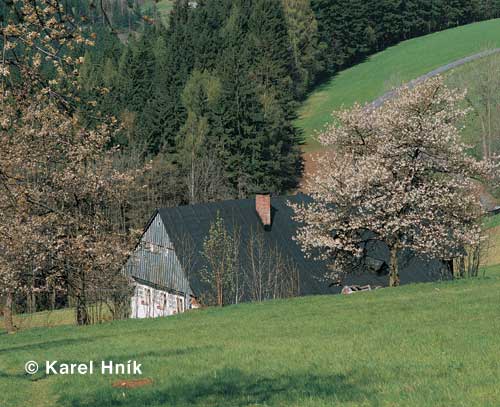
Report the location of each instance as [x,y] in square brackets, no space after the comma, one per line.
[273,197]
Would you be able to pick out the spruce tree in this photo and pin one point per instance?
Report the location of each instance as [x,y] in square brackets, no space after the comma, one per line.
[304,41]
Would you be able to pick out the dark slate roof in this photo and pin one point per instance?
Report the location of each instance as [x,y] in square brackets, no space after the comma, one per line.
[195,221]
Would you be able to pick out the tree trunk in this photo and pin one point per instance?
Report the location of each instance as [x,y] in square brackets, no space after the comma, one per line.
[462,267]
[82,317]
[53,299]
[219,291]
[489,131]
[451,268]
[484,138]
[393,268]
[33,302]
[7,314]
[29,305]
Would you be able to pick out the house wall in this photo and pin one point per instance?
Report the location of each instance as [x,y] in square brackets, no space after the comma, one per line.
[149,302]
[155,261]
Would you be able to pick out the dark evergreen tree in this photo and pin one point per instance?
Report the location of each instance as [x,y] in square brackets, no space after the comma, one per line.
[176,68]
[303,35]
[261,55]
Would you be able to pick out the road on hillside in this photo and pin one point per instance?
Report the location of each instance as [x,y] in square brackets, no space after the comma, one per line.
[389,95]
[310,165]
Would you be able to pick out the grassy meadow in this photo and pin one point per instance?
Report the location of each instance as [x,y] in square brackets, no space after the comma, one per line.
[421,345]
[46,319]
[491,246]
[164,8]
[392,67]
[467,77]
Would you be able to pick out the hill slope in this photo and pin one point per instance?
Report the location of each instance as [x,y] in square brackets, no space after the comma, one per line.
[395,65]
[428,344]
[164,7]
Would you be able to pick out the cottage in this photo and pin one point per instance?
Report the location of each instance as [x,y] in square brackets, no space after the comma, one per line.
[167,262]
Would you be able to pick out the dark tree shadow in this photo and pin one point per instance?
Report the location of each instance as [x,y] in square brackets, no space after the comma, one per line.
[160,354]
[234,388]
[48,344]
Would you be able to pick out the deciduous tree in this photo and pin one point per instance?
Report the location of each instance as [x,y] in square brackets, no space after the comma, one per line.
[221,251]
[400,174]
[57,181]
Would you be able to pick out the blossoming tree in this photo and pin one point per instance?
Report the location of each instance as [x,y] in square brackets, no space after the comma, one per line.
[399,174]
[58,185]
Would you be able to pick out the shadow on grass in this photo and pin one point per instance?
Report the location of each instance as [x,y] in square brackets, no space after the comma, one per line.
[233,388]
[323,81]
[159,354]
[48,344]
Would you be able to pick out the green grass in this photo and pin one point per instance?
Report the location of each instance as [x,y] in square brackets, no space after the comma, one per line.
[387,69]
[45,319]
[467,77]
[48,319]
[491,221]
[164,7]
[420,345]
[491,251]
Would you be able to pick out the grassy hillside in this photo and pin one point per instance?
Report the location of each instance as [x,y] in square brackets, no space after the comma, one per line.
[398,64]
[491,245]
[164,7]
[45,319]
[467,77]
[421,345]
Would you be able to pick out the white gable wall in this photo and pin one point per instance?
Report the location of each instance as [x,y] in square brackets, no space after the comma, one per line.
[154,260]
[149,302]
[154,264]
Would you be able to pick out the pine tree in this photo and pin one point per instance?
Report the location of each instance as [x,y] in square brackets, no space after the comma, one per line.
[304,41]
[176,68]
[241,116]
[154,118]
[268,41]
[260,144]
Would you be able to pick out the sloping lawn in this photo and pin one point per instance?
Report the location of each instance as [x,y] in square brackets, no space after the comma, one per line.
[491,245]
[49,319]
[421,345]
[491,221]
[164,7]
[46,319]
[392,67]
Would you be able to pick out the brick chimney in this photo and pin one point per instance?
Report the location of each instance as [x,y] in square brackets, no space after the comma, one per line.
[263,208]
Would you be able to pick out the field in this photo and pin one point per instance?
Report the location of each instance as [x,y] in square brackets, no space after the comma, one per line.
[421,345]
[164,7]
[392,67]
[467,77]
